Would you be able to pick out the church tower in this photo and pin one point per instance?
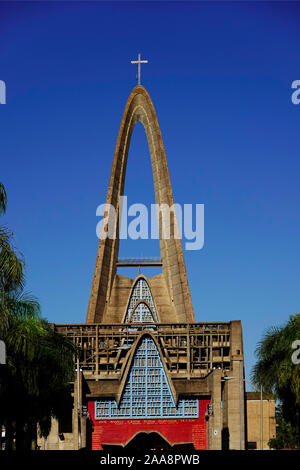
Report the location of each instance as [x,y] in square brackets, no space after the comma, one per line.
[148,375]
[110,291]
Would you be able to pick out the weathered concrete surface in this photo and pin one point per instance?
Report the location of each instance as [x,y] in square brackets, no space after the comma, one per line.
[105,298]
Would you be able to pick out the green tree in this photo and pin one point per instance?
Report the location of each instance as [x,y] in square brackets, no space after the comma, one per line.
[3,199]
[278,375]
[11,264]
[287,436]
[40,367]
[35,383]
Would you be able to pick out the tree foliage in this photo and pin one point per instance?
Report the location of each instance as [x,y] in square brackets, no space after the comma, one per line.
[35,383]
[287,435]
[279,375]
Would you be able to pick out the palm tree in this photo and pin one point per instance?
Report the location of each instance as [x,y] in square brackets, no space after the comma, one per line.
[40,369]
[3,199]
[11,263]
[40,362]
[276,372]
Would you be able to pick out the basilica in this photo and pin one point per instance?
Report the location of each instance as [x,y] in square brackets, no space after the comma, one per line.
[148,376]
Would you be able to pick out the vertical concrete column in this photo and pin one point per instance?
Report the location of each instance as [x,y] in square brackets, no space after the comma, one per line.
[234,409]
[75,416]
[235,405]
[79,422]
[83,432]
[215,421]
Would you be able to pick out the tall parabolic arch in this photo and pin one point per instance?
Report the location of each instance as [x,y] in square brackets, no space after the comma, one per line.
[171,289]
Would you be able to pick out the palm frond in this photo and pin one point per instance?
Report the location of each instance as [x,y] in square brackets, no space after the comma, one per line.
[12,266]
[3,199]
[6,236]
[22,304]
[268,343]
[274,368]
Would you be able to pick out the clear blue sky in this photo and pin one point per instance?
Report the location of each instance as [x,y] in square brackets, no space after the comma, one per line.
[220,77]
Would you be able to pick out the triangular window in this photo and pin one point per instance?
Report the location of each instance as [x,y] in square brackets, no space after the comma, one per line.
[147,393]
[142,313]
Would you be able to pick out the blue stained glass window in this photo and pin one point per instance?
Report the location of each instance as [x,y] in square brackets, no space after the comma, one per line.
[141,313]
[147,392]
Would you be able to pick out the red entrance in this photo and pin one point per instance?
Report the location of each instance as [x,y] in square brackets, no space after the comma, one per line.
[174,431]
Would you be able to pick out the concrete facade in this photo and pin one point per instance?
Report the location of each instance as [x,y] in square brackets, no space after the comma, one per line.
[256,408]
[204,361]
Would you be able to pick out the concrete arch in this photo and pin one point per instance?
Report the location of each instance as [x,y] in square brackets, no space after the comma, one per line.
[139,107]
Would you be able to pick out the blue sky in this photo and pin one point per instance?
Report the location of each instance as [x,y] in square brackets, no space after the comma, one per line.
[220,76]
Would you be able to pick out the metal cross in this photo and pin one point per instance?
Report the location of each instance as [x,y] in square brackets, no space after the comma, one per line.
[139,62]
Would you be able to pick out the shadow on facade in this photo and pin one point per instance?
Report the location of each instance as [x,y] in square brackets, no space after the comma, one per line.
[225,439]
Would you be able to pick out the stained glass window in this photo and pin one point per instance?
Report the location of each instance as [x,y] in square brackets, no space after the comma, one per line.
[147,392]
[141,313]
